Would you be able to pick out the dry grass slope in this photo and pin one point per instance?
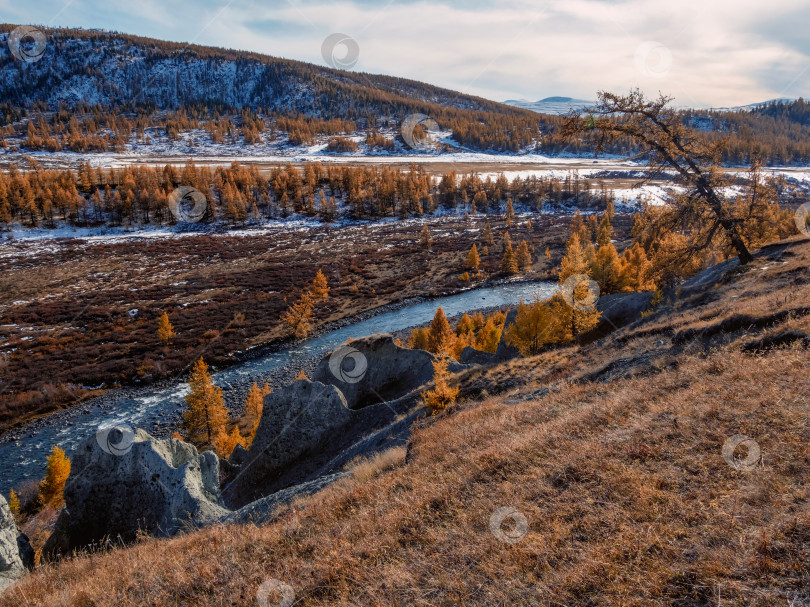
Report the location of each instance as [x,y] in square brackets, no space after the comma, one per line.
[617,468]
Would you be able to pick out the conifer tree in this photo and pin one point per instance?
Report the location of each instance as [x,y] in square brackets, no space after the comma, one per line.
[489,237]
[165,330]
[320,288]
[441,336]
[548,253]
[524,256]
[509,264]
[51,489]
[473,260]
[575,261]
[489,336]
[442,395]
[605,232]
[14,503]
[425,239]
[510,212]
[254,405]
[606,269]
[224,443]
[636,270]
[419,339]
[205,416]
[298,316]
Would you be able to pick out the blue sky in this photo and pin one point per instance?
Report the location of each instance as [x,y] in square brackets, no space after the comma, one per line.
[702,52]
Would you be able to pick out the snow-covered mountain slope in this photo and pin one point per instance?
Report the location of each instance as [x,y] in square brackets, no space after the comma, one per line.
[96,67]
[551,105]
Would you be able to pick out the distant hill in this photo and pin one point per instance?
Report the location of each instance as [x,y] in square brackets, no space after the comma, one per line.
[109,68]
[551,105]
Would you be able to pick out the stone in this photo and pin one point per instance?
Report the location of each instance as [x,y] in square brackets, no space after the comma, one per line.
[374,369]
[295,420]
[16,555]
[157,486]
[471,356]
[618,310]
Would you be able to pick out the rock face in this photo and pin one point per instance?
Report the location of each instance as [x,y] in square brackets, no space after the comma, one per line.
[295,420]
[16,555]
[471,356]
[374,369]
[158,486]
[618,310]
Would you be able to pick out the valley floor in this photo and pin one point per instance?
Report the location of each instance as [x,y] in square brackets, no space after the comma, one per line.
[609,458]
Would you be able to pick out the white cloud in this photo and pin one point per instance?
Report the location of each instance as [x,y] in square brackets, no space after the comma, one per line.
[721,53]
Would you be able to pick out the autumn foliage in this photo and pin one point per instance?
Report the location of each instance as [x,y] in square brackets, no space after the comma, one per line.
[56,474]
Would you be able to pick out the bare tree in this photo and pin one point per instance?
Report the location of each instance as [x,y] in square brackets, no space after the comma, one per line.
[668,144]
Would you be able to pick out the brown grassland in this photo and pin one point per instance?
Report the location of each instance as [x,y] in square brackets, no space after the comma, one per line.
[617,467]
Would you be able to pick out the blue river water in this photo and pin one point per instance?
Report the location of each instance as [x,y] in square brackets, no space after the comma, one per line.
[24,458]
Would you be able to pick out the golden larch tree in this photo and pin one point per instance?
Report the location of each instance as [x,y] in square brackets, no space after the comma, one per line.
[165,329]
[419,339]
[425,239]
[575,260]
[254,405]
[509,263]
[14,503]
[298,316]
[205,416]
[473,260]
[524,256]
[441,336]
[442,395]
[320,287]
[636,270]
[52,487]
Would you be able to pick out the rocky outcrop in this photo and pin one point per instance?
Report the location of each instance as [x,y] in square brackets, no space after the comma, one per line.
[295,421]
[374,369]
[16,555]
[618,310]
[155,486]
[471,356]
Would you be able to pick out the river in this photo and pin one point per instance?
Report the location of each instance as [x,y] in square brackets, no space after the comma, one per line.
[23,458]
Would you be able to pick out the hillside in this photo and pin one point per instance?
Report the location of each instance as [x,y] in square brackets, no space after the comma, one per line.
[609,457]
[110,69]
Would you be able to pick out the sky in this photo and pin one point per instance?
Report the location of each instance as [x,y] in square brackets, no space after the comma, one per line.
[704,53]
